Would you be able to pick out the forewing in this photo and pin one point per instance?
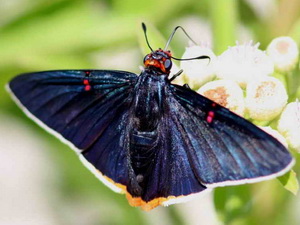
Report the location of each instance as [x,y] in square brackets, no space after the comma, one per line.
[82,108]
[225,149]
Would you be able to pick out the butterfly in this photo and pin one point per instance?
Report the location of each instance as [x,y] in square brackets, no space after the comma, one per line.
[157,142]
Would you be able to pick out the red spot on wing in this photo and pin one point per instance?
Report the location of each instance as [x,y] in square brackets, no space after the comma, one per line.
[87,87]
[209,119]
[210,116]
[87,73]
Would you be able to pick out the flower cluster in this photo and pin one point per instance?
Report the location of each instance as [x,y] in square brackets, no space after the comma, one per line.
[242,79]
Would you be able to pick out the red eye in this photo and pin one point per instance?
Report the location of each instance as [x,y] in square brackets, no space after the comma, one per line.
[168,64]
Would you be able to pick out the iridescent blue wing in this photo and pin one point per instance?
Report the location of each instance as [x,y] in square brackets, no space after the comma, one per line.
[222,147]
[83,109]
[163,172]
[171,178]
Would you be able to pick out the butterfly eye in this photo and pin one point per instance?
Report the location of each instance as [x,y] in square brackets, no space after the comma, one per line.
[146,58]
[168,64]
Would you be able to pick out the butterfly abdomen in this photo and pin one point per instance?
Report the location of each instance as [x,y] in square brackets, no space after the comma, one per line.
[142,152]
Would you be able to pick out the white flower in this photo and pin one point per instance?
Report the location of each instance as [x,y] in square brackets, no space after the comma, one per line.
[244,63]
[266,98]
[289,124]
[198,72]
[275,134]
[226,93]
[284,52]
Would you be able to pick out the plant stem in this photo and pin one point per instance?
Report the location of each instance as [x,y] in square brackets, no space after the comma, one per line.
[224,16]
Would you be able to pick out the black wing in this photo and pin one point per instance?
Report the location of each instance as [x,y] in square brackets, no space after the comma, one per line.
[171,173]
[222,147]
[83,109]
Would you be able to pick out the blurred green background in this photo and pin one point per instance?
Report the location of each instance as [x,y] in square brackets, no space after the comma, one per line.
[41,179]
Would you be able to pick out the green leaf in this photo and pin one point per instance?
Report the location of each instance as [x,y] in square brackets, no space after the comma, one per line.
[295,31]
[298,93]
[69,30]
[224,16]
[233,203]
[290,182]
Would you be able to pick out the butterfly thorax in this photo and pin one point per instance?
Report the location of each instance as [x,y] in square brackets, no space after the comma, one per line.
[148,100]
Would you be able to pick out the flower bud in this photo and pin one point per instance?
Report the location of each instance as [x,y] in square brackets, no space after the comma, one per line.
[289,124]
[226,93]
[198,72]
[284,53]
[266,98]
[244,63]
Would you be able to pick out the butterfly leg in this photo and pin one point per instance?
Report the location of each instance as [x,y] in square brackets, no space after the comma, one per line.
[187,86]
[176,75]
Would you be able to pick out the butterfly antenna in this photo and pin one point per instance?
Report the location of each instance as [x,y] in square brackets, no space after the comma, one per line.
[172,35]
[170,39]
[187,59]
[145,33]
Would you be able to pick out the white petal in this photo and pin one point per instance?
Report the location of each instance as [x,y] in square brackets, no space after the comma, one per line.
[243,63]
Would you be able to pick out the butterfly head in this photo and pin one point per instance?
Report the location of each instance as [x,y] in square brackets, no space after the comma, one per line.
[160,60]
